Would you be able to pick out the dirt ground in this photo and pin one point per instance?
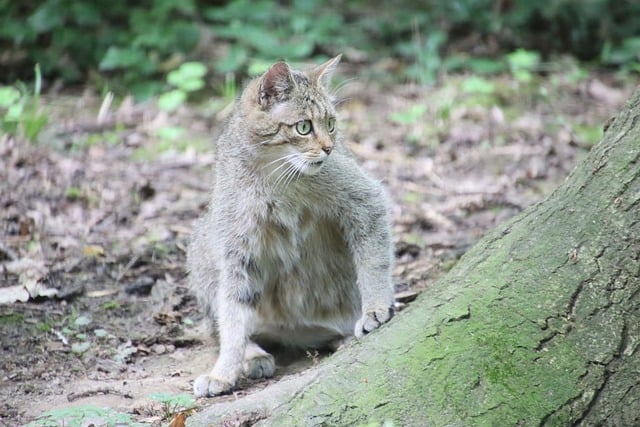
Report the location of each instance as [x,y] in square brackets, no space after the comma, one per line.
[95,219]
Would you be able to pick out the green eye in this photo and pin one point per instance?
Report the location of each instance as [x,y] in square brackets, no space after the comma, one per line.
[304,127]
[331,124]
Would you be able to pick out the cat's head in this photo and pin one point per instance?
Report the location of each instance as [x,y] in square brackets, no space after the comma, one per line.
[292,118]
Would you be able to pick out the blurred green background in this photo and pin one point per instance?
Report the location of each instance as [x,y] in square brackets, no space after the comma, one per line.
[131,46]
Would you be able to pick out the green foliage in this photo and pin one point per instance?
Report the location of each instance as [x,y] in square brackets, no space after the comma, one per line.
[129,46]
[21,112]
[272,30]
[111,305]
[189,77]
[478,85]
[11,319]
[77,416]
[173,403]
[409,116]
[626,55]
[73,193]
[588,135]
[424,56]
[69,38]
[521,64]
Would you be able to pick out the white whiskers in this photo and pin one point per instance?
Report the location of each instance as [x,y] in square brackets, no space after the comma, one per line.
[291,167]
[286,171]
[288,174]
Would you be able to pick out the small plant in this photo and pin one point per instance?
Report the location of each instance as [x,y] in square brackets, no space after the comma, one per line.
[410,116]
[77,416]
[21,112]
[111,305]
[229,88]
[173,403]
[424,52]
[186,79]
[522,63]
[478,85]
[626,55]
[73,193]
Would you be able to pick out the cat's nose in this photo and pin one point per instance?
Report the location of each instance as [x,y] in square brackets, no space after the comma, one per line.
[327,149]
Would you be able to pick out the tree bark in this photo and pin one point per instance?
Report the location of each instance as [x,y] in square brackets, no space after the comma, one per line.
[537,325]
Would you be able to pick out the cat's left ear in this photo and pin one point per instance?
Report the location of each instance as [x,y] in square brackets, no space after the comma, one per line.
[321,74]
[274,84]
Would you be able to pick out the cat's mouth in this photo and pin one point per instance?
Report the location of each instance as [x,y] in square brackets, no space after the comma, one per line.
[313,166]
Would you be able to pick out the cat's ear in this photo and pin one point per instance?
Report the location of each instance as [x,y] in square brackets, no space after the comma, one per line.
[274,83]
[321,74]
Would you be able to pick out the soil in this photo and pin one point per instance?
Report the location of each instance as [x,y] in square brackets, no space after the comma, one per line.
[95,219]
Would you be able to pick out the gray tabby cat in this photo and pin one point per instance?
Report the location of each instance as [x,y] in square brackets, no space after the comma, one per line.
[296,245]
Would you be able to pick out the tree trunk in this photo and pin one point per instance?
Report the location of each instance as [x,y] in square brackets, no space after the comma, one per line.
[538,324]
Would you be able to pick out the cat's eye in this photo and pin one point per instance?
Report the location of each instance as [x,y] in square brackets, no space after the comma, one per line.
[331,124]
[304,127]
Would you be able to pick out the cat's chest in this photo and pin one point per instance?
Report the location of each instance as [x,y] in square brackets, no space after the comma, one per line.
[287,227]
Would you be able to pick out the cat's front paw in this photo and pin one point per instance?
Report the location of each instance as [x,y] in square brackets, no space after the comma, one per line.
[372,319]
[259,366]
[208,386]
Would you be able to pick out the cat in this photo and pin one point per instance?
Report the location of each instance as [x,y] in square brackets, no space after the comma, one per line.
[295,247]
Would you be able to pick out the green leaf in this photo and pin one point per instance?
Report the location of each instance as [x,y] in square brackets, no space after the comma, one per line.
[478,85]
[85,13]
[8,96]
[38,82]
[523,59]
[179,400]
[33,125]
[188,77]
[47,16]
[192,70]
[145,89]
[170,133]
[117,57]
[233,61]
[191,84]
[258,67]
[80,347]
[410,116]
[14,113]
[486,65]
[82,320]
[169,101]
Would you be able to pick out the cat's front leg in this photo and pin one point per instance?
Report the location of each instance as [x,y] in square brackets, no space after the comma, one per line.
[233,337]
[372,249]
[235,318]
[377,298]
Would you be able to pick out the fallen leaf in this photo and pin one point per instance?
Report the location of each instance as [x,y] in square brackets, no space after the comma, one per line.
[12,294]
[39,290]
[167,318]
[82,320]
[178,420]
[102,293]
[90,251]
[405,296]
[29,272]
[80,347]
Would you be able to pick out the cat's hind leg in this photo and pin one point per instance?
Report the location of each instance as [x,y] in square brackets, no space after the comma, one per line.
[257,362]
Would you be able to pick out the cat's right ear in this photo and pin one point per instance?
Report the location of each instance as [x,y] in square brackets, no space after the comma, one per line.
[322,73]
[274,84]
